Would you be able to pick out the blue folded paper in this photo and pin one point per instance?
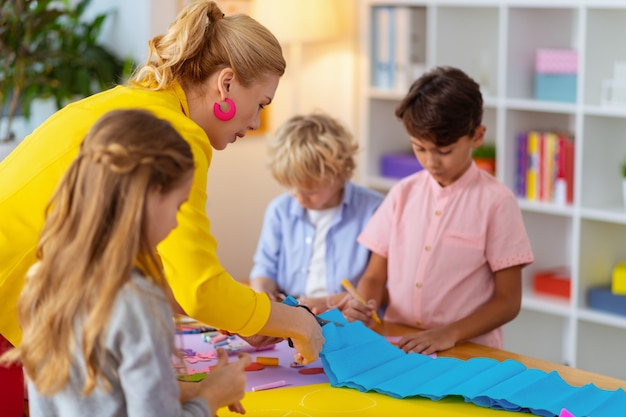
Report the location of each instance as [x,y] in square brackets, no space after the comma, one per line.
[355,356]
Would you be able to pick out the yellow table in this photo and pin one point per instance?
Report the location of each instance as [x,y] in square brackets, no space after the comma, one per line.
[323,400]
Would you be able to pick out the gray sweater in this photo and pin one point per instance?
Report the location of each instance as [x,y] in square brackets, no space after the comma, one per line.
[139,344]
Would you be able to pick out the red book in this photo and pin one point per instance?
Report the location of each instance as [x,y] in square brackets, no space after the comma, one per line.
[564,170]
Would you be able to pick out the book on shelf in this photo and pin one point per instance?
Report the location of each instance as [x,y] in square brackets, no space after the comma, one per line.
[398,46]
[566,145]
[383,46]
[522,162]
[532,167]
[410,50]
[545,167]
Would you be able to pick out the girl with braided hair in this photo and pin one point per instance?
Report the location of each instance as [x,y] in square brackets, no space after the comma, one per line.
[98,334]
[209,76]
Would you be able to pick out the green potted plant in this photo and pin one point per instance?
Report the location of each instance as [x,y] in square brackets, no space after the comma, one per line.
[48,49]
[485,157]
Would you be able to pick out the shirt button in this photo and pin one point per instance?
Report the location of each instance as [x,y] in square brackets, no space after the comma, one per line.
[418,285]
[427,248]
[438,213]
[308,240]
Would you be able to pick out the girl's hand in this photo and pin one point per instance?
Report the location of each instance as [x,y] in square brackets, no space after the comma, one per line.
[187,390]
[226,383]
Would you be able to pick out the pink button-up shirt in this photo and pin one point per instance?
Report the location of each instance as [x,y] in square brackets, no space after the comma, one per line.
[443,246]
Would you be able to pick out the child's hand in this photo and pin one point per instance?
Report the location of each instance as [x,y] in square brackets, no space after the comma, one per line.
[316,304]
[187,390]
[226,383]
[428,341]
[343,303]
[353,310]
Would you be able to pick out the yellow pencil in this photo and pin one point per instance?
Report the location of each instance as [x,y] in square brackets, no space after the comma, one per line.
[350,288]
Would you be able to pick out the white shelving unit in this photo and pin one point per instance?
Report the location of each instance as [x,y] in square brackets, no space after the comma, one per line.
[495,42]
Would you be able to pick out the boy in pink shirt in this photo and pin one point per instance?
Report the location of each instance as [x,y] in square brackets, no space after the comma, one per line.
[448,243]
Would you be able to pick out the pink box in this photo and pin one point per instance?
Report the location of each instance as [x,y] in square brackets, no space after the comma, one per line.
[556,61]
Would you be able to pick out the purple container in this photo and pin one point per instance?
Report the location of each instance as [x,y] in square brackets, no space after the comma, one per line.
[399,165]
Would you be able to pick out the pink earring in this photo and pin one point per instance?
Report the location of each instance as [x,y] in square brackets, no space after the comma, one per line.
[225,115]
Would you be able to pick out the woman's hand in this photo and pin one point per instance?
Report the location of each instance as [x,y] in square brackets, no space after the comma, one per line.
[308,340]
[259,340]
[298,324]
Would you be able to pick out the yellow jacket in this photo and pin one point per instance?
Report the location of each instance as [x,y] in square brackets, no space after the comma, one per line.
[30,173]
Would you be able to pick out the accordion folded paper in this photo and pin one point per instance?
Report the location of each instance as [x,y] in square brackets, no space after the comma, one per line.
[355,356]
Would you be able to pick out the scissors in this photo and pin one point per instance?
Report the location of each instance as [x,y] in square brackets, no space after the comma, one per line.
[291,301]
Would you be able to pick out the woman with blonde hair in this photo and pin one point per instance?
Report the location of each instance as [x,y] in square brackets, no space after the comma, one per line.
[98,334]
[209,76]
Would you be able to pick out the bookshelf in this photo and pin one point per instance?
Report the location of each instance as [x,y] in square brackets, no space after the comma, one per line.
[495,43]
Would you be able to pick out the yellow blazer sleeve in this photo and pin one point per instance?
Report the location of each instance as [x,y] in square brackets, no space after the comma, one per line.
[199,282]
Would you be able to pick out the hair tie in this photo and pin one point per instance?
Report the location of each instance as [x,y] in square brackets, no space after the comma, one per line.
[213,17]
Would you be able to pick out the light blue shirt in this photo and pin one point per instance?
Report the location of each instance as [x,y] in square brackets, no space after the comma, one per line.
[286,243]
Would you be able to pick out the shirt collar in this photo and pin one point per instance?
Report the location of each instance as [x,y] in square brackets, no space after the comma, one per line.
[181,96]
[348,190]
[468,177]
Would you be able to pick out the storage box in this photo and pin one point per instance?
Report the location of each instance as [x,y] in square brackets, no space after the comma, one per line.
[556,87]
[556,74]
[554,282]
[399,165]
[602,298]
[556,61]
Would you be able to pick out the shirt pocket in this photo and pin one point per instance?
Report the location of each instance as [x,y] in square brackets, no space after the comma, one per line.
[459,239]
[465,252]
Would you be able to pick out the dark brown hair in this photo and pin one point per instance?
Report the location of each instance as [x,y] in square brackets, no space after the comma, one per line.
[442,106]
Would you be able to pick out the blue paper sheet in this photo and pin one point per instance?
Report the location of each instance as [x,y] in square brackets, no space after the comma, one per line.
[355,356]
